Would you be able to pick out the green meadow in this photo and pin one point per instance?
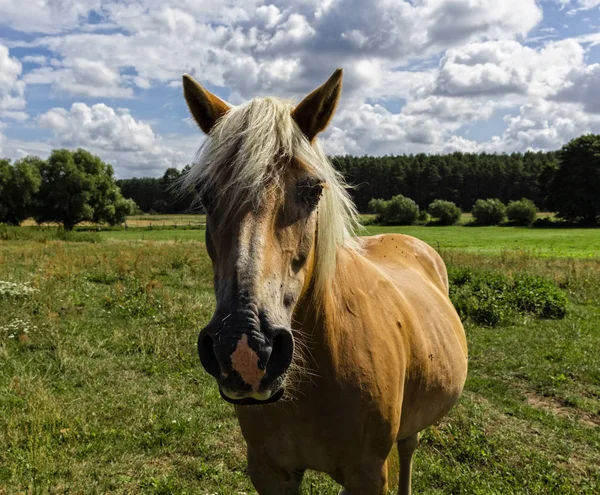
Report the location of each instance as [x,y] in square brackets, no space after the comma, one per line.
[101,390]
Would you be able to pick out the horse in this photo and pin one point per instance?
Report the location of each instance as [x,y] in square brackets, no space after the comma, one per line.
[331,347]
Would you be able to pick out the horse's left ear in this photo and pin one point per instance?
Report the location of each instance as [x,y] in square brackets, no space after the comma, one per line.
[314,112]
[205,107]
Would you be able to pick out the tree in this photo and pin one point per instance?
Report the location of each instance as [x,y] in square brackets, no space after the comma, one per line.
[488,211]
[397,211]
[446,212]
[77,187]
[575,187]
[19,183]
[521,212]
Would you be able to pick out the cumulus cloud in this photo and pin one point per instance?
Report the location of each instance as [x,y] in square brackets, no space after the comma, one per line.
[81,77]
[294,42]
[46,17]
[503,67]
[543,125]
[115,133]
[583,86]
[11,87]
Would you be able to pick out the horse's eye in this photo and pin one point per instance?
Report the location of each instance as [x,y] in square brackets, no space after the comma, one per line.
[309,191]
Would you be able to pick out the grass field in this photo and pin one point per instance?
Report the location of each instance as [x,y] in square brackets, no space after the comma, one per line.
[101,390]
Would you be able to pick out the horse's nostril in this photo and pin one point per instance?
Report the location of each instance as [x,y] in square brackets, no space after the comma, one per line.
[207,355]
[281,355]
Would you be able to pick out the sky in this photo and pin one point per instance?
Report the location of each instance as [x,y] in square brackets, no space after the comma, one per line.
[428,76]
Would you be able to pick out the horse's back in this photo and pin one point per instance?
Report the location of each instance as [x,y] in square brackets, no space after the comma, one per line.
[406,251]
[434,336]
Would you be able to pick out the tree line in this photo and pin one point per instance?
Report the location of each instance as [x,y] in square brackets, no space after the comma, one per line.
[459,177]
[75,186]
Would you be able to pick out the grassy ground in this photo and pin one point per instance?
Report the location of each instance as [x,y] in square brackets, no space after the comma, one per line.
[550,242]
[101,390]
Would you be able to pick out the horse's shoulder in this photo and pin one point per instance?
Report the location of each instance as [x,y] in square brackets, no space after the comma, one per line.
[409,252]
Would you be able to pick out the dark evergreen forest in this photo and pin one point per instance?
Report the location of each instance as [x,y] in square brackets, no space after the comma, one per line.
[458,177]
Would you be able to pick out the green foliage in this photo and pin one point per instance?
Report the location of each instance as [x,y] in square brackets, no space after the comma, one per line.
[521,212]
[159,195]
[446,212]
[77,187]
[488,212]
[377,206]
[461,178]
[19,183]
[397,211]
[575,187]
[424,218]
[491,298]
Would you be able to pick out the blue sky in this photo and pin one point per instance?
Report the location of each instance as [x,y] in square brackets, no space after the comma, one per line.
[428,76]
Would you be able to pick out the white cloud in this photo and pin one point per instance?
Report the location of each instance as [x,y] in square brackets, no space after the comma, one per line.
[15,115]
[583,87]
[42,16]
[308,39]
[579,5]
[116,134]
[81,77]
[11,87]
[544,125]
[504,67]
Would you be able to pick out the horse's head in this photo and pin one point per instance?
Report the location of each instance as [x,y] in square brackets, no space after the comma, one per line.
[262,180]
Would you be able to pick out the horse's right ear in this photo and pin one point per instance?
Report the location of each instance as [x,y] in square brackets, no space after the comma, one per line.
[205,107]
[314,112]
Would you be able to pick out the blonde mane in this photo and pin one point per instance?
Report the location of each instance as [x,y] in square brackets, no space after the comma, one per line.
[248,151]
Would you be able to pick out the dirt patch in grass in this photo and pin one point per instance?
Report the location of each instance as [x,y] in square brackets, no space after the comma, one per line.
[557,407]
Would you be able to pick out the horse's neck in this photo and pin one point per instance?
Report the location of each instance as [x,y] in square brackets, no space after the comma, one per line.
[318,314]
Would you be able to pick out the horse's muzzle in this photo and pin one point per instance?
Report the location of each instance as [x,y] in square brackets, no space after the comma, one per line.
[248,357]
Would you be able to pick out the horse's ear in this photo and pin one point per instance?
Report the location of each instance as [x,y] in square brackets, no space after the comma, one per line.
[314,112]
[205,107]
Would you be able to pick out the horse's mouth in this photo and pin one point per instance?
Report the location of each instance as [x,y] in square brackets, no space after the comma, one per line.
[250,401]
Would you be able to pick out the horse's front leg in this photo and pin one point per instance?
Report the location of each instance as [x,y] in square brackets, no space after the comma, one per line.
[366,480]
[270,480]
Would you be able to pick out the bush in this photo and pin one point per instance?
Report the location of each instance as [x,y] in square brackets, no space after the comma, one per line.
[488,298]
[424,218]
[521,212]
[377,206]
[399,210]
[488,212]
[446,212]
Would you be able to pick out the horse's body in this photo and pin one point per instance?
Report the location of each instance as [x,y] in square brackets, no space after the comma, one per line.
[390,361]
[381,349]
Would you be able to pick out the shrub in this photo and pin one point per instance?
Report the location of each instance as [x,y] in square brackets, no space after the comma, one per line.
[424,218]
[488,211]
[377,206]
[521,212]
[399,210]
[446,212]
[489,298]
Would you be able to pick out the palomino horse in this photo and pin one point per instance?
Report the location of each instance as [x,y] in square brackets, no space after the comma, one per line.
[331,347]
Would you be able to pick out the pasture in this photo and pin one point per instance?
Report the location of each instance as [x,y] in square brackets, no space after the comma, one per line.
[101,390]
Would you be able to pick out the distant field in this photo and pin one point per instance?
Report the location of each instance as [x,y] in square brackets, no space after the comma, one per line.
[545,242]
